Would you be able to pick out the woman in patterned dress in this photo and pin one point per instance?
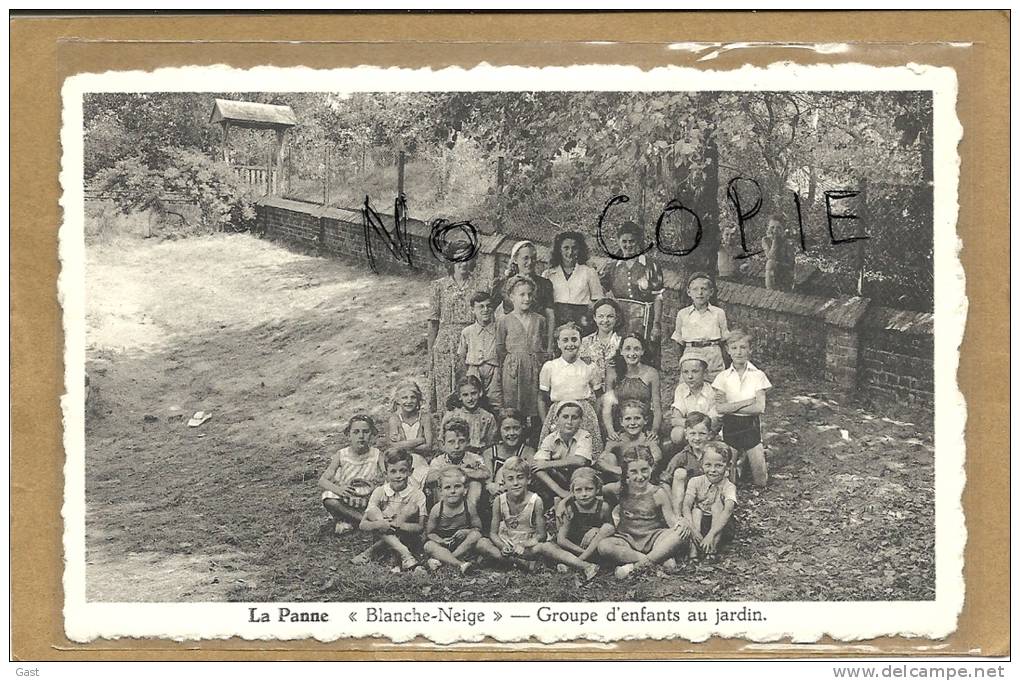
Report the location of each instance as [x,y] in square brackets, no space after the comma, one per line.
[449,313]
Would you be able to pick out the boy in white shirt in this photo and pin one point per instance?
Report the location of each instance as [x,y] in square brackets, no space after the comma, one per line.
[740,398]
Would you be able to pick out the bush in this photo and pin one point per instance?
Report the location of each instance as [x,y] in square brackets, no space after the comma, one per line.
[224,202]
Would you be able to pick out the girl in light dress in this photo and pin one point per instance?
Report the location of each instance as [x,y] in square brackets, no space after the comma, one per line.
[410,427]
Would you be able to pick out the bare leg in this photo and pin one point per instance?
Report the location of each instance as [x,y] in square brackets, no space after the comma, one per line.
[665,546]
[759,467]
[393,542]
[696,516]
[366,555]
[468,545]
[678,490]
[474,493]
[442,554]
[618,551]
[341,512]
[486,548]
[557,554]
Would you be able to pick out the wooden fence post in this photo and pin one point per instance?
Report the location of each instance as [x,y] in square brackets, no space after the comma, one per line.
[325,174]
[499,191]
[400,172]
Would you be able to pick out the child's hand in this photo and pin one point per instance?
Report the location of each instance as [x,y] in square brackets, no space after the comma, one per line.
[696,537]
[519,550]
[613,435]
[461,535]
[508,549]
[493,488]
[682,528]
[710,542]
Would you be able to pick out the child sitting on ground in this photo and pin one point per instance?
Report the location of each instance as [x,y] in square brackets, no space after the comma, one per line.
[353,473]
[584,518]
[648,531]
[633,421]
[456,453]
[396,511]
[466,405]
[511,443]
[709,502]
[692,394]
[517,531]
[410,427]
[686,464]
[563,450]
[453,529]
[740,398]
[477,349]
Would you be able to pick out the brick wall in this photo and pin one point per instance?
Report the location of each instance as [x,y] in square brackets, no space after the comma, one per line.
[897,353]
[847,341]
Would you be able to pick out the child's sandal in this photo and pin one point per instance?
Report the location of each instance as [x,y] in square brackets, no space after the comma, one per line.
[408,564]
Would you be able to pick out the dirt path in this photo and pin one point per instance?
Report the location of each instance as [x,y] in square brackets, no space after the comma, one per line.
[282,347]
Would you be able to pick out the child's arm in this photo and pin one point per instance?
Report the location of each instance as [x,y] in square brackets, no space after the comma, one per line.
[656,404]
[326,479]
[373,520]
[543,401]
[719,520]
[538,517]
[756,405]
[490,433]
[432,523]
[497,517]
[668,514]
[564,529]
[425,448]
[690,496]
[500,341]
[410,519]
[608,463]
[724,407]
[607,530]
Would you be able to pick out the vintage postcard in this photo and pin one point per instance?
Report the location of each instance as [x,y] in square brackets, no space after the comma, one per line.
[547,354]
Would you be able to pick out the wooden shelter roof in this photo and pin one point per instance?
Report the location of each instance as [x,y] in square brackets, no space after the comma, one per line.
[253,114]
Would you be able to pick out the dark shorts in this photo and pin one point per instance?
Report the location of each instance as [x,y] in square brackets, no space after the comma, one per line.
[741,432]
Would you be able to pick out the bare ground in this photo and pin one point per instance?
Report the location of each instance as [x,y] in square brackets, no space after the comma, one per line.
[283,347]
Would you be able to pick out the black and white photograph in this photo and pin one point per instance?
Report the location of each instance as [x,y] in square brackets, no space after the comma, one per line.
[594,352]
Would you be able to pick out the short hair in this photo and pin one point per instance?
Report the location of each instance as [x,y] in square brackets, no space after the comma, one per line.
[616,307]
[472,381]
[693,418]
[630,227]
[567,403]
[717,447]
[634,404]
[455,424]
[394,456]
[510,413]
[519,280]
[452,471]
[516,464]
[406,384]
[481,297]
[703,363]
[365,418]
[572,326]
[586,473]
[738,334]
[555,260]
[701,275]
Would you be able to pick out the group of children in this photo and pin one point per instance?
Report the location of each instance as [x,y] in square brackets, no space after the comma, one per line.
[619,490]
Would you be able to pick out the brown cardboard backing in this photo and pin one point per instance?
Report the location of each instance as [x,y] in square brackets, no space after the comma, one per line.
[45,50]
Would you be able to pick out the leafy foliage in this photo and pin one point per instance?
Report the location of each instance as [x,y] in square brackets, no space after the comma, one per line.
[188,175]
